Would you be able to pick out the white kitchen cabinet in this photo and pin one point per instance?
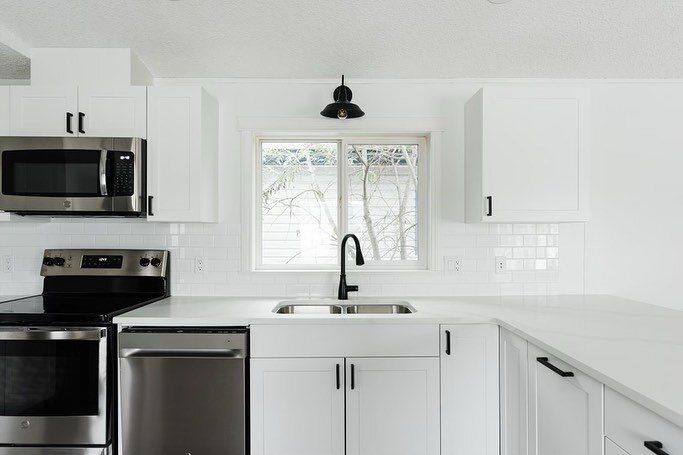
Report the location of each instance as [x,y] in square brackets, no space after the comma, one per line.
[612,449]
[297,406]
[631,426]
[469,389]
[43,111]
[182,155]
[513,394]
[4,110]
[565,408]
[112,111]
[527,155]
[78,111]
[392,406]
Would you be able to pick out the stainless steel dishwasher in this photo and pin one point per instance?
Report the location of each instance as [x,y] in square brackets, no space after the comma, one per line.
[183,391]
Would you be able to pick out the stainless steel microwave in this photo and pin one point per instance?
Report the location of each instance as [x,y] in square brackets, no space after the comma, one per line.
[73,176]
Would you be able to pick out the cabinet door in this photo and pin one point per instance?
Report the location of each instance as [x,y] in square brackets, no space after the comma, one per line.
[469,389]
[392,406]
[4,110]
[112,112]
[513,394]
[182,169]
[297,406]
[613,449]
[565,412]
[527,155]
[43,111]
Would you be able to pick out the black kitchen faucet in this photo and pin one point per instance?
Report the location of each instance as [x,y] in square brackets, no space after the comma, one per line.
[344,289]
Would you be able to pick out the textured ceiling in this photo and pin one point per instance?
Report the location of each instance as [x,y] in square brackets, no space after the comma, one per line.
[368,38]
[13,65]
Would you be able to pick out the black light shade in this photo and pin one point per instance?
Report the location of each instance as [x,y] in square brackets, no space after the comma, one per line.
[342,108]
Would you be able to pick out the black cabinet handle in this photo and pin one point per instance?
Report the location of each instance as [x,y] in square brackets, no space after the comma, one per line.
[353,377]
[149,205]
[489,203]
[655,447]
[338,381]
[448,342]
[544,361]
[69,116]
[81,116]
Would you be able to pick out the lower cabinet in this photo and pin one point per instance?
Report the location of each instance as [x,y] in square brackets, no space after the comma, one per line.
[333,406]
[469,390]
[513,394]
[565,408]
[392,406]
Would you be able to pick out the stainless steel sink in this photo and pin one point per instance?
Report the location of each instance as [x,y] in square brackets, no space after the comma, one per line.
[379,309]
[307,309]
[328,306]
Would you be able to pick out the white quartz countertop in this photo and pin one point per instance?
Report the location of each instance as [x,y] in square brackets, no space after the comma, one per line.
[632,347]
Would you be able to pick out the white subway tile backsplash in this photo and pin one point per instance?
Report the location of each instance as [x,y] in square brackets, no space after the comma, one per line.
[530,250]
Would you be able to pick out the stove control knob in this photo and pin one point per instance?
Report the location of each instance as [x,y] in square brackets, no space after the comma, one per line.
[48,261]
[144,262]
[59,262]
[156,262]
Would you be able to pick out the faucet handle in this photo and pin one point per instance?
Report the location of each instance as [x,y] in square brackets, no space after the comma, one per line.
[352,288]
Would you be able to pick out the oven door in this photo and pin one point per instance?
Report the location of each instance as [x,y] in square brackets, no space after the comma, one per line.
[53,386]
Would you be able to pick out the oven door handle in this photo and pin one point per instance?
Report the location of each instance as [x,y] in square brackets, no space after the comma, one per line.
[50,334]
[103,172]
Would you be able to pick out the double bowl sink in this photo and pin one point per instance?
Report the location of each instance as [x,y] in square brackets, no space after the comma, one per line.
[322,307]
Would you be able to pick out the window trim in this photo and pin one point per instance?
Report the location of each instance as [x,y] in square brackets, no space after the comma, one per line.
[250,128]
[343,141]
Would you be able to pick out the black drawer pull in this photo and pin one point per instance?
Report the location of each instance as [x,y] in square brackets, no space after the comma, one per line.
[338,381]
[448,342]
[544,361]
[81,116]
[489,200]
[353,377]
[655,447]
[149,206]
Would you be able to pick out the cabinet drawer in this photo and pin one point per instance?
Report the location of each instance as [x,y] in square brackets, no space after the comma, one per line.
[345,340]
[629,425]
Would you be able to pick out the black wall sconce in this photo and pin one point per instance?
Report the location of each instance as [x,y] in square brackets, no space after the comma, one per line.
[342,108]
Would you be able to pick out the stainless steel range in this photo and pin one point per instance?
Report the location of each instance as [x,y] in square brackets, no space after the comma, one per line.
[58,350]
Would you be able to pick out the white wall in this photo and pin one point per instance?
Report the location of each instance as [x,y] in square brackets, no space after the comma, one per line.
[634,242]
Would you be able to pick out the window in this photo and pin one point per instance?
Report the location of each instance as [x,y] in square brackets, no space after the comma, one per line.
[313,192]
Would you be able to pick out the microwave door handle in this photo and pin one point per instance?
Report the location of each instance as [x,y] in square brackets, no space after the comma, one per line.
[103,172]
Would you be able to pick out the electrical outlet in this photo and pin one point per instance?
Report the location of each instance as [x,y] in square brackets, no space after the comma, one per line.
[199,264]
[453,264]
[8,264]
[501,265]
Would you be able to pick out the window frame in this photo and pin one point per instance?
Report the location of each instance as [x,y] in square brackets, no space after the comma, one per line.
[343,141]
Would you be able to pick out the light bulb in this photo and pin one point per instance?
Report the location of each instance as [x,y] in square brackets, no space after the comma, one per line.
[342,114]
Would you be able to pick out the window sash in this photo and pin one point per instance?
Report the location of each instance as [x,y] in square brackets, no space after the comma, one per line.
[343,201]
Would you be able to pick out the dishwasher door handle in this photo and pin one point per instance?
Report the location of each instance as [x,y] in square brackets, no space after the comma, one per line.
[182,353]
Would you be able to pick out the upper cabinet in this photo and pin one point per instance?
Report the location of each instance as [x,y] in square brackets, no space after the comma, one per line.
[113,112]
[182,155]
[4,110]
[43,111]
[73,111]
[526,155]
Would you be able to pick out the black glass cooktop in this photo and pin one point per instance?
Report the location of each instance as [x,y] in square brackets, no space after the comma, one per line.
[71,308]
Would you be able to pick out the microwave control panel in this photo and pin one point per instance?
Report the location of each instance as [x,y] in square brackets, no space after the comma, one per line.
[124,173]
